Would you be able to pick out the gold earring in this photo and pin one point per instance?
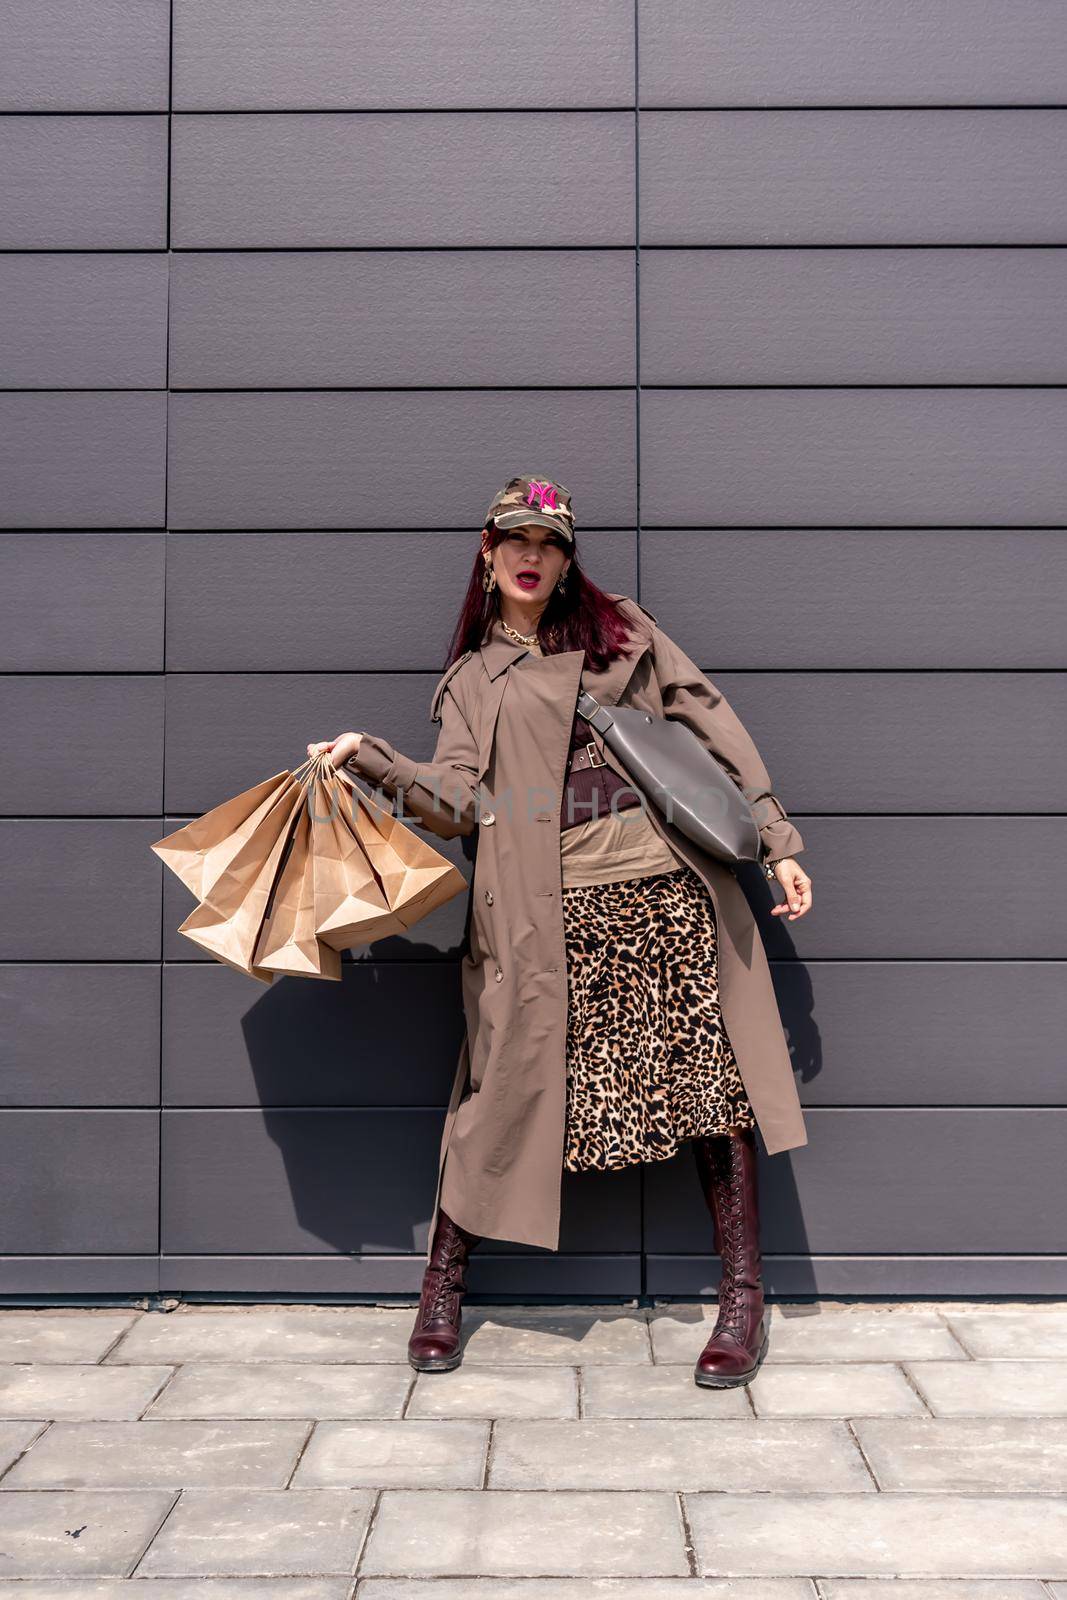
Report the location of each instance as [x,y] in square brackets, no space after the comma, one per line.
[488,577]
[562,583]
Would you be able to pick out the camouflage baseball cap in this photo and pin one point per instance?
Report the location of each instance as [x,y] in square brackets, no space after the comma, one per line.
[533,500]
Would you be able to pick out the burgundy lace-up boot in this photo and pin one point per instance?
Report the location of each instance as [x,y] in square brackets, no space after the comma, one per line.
[726,1164]
[434,1342]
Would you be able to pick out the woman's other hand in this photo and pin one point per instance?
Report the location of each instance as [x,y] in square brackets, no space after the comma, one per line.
[797,885]
[341,749]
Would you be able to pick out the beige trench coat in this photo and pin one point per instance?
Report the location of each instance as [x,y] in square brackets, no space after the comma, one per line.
[505,718]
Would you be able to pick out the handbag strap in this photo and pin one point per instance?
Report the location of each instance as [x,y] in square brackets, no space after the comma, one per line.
[593,712]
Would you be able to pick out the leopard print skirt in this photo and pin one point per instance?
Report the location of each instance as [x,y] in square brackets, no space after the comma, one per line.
[649,1062]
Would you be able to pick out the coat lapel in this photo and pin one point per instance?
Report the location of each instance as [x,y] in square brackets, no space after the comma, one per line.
[498,653]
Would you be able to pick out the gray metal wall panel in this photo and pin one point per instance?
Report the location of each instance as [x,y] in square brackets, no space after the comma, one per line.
[328,601]
[924,1033]
[117,624]
[387,1035]
[854,456]
[869,52]
[924,908]
[927,743]
[106,756]
[79,1035]
[83,459]
[854,316]
[493,1275]
[79,1182]
[987,1181]
[885,1277]
[267,54]
[305,1181]
[853,177]
[29,1279]
[437,179]
[926,911]
[391,459]
[78,890]
[83,321]
[862,1033]
[84,55]
[223,729]
[873,742]
[946,597]
[296,1181]
[83,183]
[324,319]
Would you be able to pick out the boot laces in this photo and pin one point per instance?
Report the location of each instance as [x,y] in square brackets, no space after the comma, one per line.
[439,1305]
[731,1227]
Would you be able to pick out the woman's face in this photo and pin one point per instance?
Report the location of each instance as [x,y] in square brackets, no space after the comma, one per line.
[527,561]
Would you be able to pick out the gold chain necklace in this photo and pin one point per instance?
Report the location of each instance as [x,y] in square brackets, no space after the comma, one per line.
[519,638]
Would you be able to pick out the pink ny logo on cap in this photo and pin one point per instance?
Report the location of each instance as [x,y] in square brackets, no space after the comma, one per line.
[545,494]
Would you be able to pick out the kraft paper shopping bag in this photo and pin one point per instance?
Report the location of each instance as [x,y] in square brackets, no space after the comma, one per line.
[351,908]
[288,942]
[200,850]
[413,877]
[229,922]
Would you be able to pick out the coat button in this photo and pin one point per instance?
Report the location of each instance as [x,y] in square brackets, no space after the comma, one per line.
[498,975]
[489,897]
[488,817]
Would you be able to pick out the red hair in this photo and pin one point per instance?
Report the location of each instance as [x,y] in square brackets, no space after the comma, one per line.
[582,618]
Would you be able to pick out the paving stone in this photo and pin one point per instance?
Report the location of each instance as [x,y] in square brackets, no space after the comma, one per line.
[880,1535]
[268,1532]
[932,1589]
[80,1533]
[286,1389]
[158,1455]
[572,1337]
[676,1455]
[1034,1334]
[57,1336]
[999,1454]
[89,1394]
[593,1589]
[497,1392]
[448,1533]
[867,1335]
[15,1437]
[276,1333]
[667,1391]
[401,1455]
[812,1334]
[992,1388]
[853,1389]
[183,1589]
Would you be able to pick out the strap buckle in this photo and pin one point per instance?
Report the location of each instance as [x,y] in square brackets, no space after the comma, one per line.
[759,808]
[595,758]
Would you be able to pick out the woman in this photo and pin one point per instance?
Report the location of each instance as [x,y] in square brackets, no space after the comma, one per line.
[616,991]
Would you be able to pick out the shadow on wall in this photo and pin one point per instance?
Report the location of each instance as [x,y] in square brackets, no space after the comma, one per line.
[353,1078]
[792,981]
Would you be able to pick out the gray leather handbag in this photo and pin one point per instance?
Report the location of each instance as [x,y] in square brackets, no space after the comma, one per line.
[667,763]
